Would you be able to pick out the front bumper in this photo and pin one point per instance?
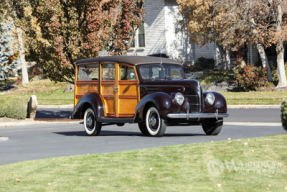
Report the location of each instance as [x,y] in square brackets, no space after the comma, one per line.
[188,116]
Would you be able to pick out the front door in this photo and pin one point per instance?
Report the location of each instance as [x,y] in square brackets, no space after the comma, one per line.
[128,93]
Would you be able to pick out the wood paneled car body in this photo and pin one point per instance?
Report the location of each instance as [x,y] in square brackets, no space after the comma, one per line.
[150,91]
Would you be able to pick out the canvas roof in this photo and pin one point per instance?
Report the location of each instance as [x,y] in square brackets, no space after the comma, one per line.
[133,60]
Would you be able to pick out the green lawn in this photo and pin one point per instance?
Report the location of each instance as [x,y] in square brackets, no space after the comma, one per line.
[59,97]
[259,164]
[49,93]
[53,97]
[255,98]
[50,97]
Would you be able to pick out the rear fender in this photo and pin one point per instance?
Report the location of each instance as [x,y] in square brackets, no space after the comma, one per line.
[92,100]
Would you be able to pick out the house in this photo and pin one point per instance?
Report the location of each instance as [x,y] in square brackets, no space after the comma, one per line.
[158,36]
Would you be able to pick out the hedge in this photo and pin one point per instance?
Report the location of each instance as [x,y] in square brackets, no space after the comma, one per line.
[284,114]
[13,107]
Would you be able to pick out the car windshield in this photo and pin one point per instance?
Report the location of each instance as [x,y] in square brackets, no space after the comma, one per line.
[157,71]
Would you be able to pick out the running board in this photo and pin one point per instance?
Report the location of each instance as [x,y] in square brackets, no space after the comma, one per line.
[115,120]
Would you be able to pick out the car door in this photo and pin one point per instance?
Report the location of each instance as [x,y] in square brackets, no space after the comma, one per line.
[128,91]
[109,88]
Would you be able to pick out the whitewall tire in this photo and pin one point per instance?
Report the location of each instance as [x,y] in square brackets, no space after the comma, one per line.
[155,126]
[92,127]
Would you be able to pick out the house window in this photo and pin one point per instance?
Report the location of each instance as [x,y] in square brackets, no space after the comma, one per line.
[141,37]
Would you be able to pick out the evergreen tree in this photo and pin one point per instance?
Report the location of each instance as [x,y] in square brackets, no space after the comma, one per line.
[6,50]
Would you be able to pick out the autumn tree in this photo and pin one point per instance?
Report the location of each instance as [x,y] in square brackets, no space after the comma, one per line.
[234,23]
[61,32]
[261,22]
[199,23]
[13,9]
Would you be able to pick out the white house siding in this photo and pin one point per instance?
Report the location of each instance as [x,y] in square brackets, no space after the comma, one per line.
[154,23]
[206,51]
[160,21]
[177,45]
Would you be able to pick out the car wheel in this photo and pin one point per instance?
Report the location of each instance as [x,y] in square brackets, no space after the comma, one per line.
[92,127]
[212,126]
[143,129]
[154,124]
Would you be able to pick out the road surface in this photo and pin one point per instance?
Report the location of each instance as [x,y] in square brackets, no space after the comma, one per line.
[54,140]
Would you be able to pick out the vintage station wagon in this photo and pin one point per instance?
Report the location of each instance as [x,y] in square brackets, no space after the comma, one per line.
[150,91]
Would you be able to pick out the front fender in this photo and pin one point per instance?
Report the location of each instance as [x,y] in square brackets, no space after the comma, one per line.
[162,101]
[219,103]
[89,100]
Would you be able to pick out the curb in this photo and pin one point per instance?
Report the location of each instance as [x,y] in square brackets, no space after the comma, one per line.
[25,123]
[55,106]
[253,106]
[228,106]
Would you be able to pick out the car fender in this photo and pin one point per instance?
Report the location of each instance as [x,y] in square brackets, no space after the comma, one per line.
[90,99]
[162,101]
[219,103]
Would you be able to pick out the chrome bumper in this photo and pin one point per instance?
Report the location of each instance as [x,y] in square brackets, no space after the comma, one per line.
[188,116]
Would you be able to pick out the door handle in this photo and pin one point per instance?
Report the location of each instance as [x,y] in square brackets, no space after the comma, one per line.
[116,89]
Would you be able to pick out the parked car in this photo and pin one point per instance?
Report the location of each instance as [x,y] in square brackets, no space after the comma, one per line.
[150,91]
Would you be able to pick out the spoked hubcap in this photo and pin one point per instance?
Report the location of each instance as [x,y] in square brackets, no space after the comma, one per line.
[90,121]
[153,121]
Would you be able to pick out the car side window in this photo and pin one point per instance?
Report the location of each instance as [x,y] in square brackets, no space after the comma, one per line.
[127,73]
[88,72]
[151,72]
[108,71]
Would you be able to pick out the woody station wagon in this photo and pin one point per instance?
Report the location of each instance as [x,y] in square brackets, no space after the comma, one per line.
[150,91]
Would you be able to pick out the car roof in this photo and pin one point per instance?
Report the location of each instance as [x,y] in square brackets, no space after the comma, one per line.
[133,60]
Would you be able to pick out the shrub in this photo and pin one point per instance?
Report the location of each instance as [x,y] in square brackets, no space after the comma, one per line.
[284,114]
[250,77]
[13,107]
[205,63]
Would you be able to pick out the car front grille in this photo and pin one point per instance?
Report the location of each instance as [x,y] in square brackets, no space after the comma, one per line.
[194,103]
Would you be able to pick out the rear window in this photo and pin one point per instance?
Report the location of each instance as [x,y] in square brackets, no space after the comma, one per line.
[88,72]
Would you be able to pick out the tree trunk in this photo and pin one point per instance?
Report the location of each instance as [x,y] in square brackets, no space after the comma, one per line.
[227,64]
[280,65]
[22,56]
[220,57]
[264,61]
[280,51]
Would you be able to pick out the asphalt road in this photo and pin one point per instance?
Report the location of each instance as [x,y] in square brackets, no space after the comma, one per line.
[54,140]
[235,115]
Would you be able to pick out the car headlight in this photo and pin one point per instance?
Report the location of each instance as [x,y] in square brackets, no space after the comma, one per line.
[179,98]
[210,98]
